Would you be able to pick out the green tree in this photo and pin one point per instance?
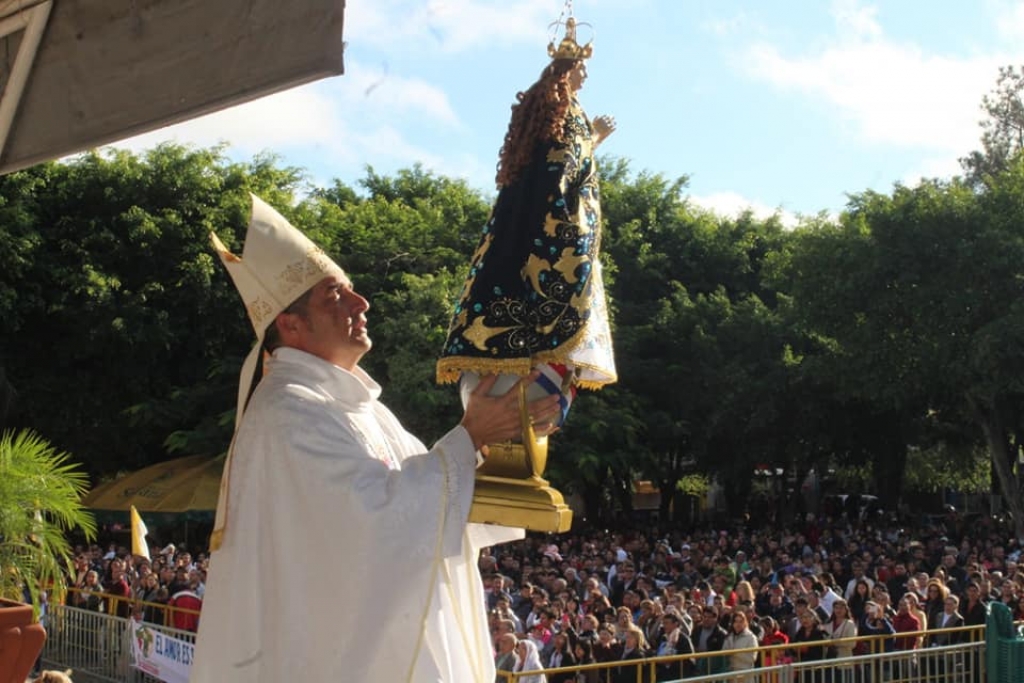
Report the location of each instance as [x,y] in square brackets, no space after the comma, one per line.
[1002,137]
[118,319]
[918,294]
[696,312]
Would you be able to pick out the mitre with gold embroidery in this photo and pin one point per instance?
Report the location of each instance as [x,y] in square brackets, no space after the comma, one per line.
[277,265]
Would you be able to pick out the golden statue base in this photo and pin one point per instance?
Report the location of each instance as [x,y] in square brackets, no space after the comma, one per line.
[522,503]
[510,490]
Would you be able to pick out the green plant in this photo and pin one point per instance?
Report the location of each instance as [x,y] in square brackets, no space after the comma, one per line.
[40,502]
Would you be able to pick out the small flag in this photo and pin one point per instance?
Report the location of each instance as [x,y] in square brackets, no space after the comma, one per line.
[139,531]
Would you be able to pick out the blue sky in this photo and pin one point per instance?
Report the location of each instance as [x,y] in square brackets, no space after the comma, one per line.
[769,104]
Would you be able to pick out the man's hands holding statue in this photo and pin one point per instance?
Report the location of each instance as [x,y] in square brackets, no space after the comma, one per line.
[493,419]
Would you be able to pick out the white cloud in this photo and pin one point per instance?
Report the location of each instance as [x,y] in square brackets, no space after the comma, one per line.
[933,167]
[891,92]
[739,23]
[449,25]
[732,204]
[349,119]
[1009,17]
[298,117]
[376,89]
[849,14]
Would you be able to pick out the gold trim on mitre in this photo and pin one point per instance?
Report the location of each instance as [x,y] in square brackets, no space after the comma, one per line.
[277,265]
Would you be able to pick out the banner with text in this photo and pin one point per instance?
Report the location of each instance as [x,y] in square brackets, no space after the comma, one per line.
[160,655]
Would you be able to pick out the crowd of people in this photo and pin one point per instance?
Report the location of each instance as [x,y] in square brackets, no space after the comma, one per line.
[618,597]
[165,590]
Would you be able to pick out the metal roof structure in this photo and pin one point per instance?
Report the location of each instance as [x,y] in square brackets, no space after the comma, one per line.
[81,73]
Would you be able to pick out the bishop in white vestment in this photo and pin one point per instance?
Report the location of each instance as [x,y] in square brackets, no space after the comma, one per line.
[341,549]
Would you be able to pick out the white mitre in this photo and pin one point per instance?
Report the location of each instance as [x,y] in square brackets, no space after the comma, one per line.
[278,264]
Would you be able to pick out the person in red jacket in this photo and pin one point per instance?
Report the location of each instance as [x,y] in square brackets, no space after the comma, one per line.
[906,622]
[185,610]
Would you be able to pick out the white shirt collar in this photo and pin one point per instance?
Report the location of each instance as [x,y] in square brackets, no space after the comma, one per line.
[355,388]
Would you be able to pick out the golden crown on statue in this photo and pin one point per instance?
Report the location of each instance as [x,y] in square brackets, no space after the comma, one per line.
[568,48]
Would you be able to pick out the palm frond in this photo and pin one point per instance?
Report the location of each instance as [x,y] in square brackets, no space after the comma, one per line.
[41,490]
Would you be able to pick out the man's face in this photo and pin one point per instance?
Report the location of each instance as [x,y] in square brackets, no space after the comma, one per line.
[332,327]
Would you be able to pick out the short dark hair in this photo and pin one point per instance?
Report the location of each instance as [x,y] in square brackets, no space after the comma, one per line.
[299,307]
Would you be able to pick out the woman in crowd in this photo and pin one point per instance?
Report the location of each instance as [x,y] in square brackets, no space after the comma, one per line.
[773,636]
[634,649]
[840,627]
[861,596]
[584,652]
[572,615]
[561,656]
[875,623]
[154,598]
[623,623]
[810,638]
[906,622]
[601,607]
[744,645]
[936,593]
[607,648]
[1018,609]
[922,617]
[87,596]
[652,629]
[745,592]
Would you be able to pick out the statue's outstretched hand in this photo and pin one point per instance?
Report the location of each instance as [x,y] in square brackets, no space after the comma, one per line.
[603,127]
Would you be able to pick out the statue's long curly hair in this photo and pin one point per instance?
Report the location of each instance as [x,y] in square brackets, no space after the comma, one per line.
[537,116]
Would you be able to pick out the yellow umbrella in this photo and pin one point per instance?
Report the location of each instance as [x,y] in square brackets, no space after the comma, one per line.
[177,486]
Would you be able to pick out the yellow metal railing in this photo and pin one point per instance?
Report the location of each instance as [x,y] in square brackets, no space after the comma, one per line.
[114,604]
[877,659]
